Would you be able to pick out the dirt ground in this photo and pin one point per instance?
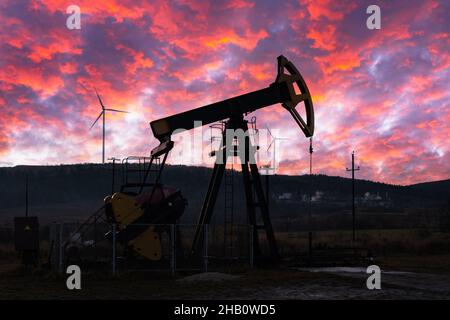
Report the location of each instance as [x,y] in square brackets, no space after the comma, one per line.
[284,283]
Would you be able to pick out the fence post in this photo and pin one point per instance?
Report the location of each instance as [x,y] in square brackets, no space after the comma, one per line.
[60,253]
[114,249]
[251,231]
[95,239]
[172,250]
[205,248]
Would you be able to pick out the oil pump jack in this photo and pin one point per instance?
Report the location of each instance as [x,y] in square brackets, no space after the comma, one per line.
[165,205]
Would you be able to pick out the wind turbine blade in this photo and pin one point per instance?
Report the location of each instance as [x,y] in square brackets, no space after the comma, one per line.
[115,110]
[101,113]
[99,99]
[83,86]
[270,132]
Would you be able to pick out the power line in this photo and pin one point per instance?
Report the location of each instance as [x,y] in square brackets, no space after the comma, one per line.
[310,195]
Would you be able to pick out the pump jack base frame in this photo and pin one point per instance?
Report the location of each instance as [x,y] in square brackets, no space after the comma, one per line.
[252,186]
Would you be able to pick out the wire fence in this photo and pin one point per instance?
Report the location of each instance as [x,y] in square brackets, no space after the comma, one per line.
[99,247]
[157,247]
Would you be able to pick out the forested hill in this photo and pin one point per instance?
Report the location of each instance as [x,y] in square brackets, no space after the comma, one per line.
[86,185]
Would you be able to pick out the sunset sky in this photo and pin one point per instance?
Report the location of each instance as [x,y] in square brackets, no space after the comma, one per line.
[383,93]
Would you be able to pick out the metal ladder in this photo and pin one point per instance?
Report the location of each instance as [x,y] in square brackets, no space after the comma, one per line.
[228,211]
[216,135]
[135,167]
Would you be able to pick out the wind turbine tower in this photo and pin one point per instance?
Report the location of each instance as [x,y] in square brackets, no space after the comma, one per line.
[103,114]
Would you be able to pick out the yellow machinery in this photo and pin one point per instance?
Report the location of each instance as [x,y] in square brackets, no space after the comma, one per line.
[141,218]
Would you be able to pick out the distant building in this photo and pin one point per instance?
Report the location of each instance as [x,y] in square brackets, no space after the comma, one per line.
[317,196]
[285,196]
[375,200]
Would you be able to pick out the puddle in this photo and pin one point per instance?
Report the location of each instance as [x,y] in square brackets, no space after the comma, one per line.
[209,276]
[350,270]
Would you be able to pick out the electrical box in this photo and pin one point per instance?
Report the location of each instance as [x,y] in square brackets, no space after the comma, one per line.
[26,233]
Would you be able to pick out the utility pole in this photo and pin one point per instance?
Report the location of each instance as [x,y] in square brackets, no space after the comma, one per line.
[103,141]
[353,169]
[310,196]
[26,195]
[267,189]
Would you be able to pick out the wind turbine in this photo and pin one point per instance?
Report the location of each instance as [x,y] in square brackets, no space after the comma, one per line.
[268,168]
[102,114]
[274,143]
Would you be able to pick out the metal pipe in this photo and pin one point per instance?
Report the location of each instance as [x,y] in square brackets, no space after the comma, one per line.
[114,249]
[172,250]
[251,231]
[310,197]
[205,248]
[60,248]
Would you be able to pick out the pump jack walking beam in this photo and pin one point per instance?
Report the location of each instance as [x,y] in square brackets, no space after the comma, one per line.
[283,91]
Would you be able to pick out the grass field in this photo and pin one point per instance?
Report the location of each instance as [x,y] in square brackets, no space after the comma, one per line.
[380,242]
[17,283]
[425,253]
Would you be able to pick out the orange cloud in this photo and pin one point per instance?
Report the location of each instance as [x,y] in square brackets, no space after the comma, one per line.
[68,67]
[140,61]
[101,9]
[239,4]
[324,38]
[326,9]
[41,52]
[33,78]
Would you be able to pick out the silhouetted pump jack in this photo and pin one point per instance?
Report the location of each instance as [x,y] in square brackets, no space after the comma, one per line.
[289,89]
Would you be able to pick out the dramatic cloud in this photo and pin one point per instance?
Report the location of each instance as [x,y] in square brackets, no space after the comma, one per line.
[383,93]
